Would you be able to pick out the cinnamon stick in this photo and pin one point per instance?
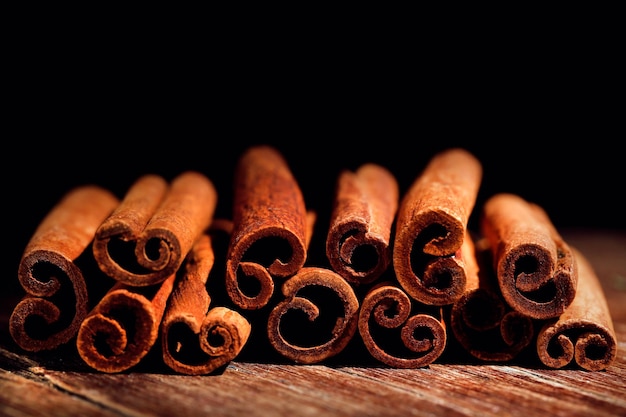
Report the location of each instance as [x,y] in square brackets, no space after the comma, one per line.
[583,334]
[123,326]
[481,321]
[358,242]
[431,226]
[397,333]
[535,267]
[307,345]
[197,339]
[271,227]
[145,240]
[57,298]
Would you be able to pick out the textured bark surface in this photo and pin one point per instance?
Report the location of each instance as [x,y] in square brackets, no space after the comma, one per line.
[124,326]
[534,265]
[358,242]
[432,223]
[338,329]
[583,335]
[271,229]
[197,338]
[148,236]
[481,320]
[396,333]
[57,298]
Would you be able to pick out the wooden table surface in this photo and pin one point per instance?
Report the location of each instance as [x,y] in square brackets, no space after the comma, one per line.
[58,384]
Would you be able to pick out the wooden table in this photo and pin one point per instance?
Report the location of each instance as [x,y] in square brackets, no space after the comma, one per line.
[57,384]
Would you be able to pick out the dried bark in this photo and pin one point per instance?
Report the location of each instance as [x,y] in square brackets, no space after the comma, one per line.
[271,227]
[197,338]
[358,241]
[535,267]
[123,326]
[340,322]
[481,321]
[57,298]
[399,332]
[583,335]
[431,226]
[148,236]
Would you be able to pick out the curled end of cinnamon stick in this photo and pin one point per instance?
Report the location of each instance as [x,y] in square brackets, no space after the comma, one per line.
[299,330]
[56,298]
[148,236]
[44,319]
[583,334]
[357,255]
[194,348]
[358,241]
[393,336]
[123,326]
[441,279]
[487,328]
[271,227]
[535,267]
[255,259]
[532,283]
[586,343]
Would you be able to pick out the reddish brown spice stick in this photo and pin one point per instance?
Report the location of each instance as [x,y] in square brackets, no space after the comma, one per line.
[41,321]
[583,334]
[358,242]
[481,321]
[395,333]
[123,326]
[339,329]
[196,340]
[270,231]
[148,236]
[535,267]
[432,222]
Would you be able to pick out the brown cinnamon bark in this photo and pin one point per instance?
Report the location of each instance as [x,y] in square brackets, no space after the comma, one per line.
[358,242]
[197,339]
[123,326]
[481,321]
[148,236]
[431,226]
[395,334]
[583,334]
[271,228]
[303,345]
[57,297]
[535,267]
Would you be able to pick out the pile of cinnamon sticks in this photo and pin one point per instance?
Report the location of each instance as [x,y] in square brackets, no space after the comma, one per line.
[155,270]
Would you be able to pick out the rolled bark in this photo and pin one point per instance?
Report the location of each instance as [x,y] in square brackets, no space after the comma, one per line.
[57,298]
[122,328]
[583,335]
[397,332]
[358,241]
[535,267]
[197,338]
[481,321]
[431,226]
[334,331]
[271,227]
[146,239]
